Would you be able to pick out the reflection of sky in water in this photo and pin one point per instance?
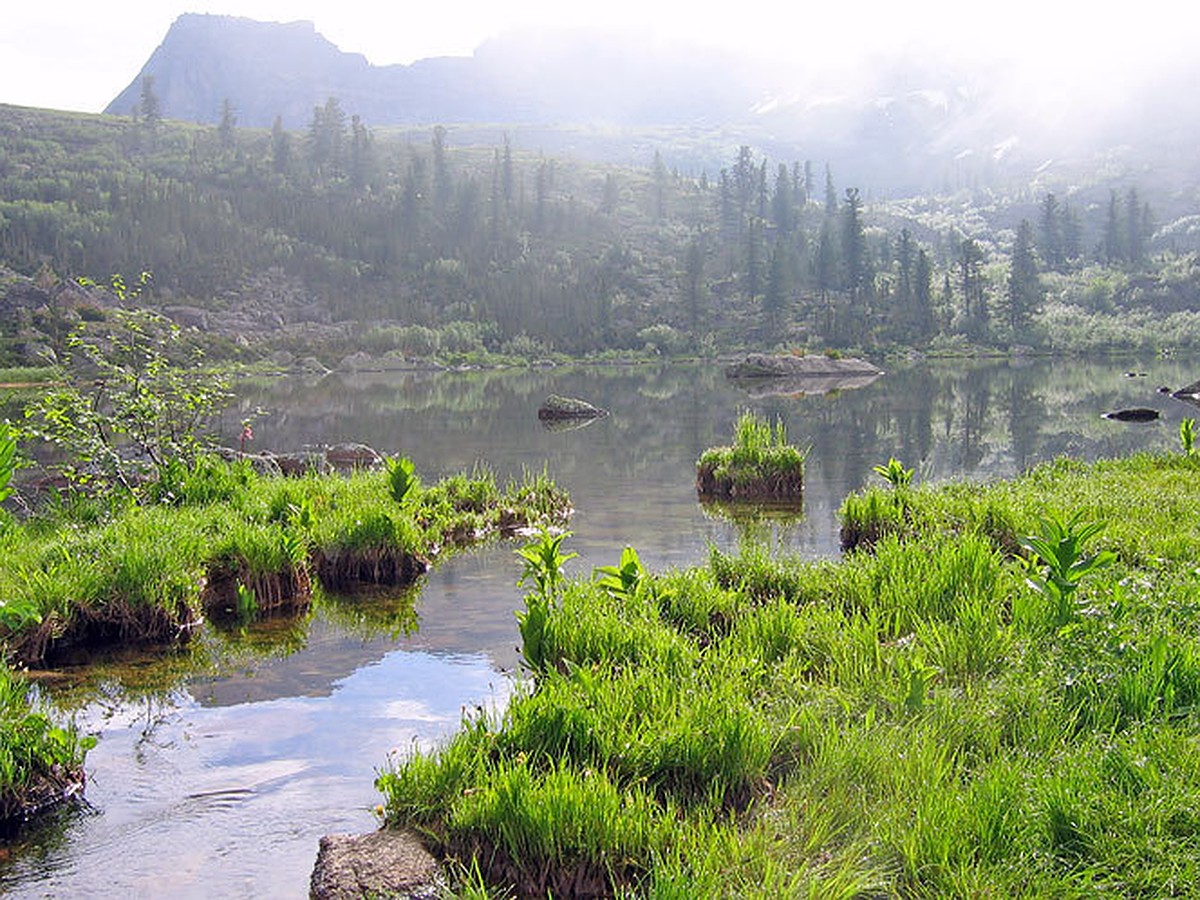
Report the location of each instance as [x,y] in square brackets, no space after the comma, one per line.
[202,801]
[235,781]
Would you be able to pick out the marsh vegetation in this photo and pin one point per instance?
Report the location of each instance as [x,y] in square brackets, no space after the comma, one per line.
[760,465]
[997,696]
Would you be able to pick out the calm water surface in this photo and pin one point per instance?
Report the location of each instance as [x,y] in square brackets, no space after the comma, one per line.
[219,768]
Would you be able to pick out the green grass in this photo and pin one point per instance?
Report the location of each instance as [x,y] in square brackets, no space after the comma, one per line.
[920,719]
[20,376]
[87,572]
[41,763]
[759,465]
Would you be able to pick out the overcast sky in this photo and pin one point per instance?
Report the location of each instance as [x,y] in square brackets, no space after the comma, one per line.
[79,54]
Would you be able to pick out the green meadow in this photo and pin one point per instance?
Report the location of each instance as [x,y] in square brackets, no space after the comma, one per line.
[992,694]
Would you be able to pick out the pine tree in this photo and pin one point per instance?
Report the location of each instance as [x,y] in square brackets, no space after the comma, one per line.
[1050,233]
[1024,294]
[782,208]
[442,187]
[855,274]
[150,106]
[227,124]
[923,296]
[779,287]
[1113,248]
[281,147]
[970,266]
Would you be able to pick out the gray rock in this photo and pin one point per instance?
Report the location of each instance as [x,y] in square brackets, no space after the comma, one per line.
[556,408]
[384,863]
[760,365]
[346,457]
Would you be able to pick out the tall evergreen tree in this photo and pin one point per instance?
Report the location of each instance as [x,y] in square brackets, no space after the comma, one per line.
[1024,294]
[1113,247]
[970,266]
[442,186]
[149,105]
[782,202]
[226,125]
[855,267]
[779,288]
[1050,233]
[281,147]
[923,296]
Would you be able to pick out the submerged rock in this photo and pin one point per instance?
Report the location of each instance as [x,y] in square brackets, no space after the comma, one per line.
[1135,414]
[556,408]
[384,863]
[762,365]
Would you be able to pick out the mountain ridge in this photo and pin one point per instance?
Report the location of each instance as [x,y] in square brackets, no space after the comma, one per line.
[904,124]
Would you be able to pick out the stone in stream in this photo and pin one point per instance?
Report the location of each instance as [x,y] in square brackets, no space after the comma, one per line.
[1135,414]
[384,863]
[556,408]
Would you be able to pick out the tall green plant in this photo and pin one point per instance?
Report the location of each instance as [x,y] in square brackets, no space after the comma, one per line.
[402,478]
[544,560]
[1187,436]
[8,458]
[1058,550]
[621,581]
[895,474]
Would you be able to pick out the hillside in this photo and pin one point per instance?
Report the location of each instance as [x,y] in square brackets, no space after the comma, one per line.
[906,124]
[349,239]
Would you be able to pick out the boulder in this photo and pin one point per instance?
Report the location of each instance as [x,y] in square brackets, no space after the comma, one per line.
[761,365]
[344,457]
[555,408]
[385,863]
[1134,414]
[1189,393]
[301,463]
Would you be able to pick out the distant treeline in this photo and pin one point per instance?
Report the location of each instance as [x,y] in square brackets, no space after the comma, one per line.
[385,227]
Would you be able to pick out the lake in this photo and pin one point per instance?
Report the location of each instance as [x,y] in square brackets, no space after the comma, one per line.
[219,767]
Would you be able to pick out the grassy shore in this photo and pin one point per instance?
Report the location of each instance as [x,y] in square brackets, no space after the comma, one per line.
[214,542]
[219,541]
[995,695]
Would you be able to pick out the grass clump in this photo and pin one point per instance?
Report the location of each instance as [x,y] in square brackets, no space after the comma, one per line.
[217,539]
[41,763]
[760,465]
[999,698]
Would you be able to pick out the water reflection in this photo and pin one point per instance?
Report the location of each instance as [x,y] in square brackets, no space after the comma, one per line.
[220,766]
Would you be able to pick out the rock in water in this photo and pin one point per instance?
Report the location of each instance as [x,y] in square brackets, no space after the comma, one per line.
[384,863]
[760,365]
[1136,414]
[556,408]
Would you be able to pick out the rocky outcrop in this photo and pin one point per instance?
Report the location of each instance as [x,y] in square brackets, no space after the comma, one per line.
[321,461]
[762,365]
[557,409]
[384,863]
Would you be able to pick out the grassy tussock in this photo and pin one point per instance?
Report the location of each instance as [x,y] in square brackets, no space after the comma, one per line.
[41,764]
[928,718]
[759,465]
